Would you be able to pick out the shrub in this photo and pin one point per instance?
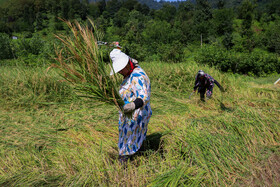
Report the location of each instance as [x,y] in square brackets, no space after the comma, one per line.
[272,38]
[171,52]
[5,47]
[24,46]
[257,63]
[135,50]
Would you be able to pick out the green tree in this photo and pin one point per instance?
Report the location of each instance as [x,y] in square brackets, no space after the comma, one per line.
[93,10]
[121,17]
[184,22]
[223,25]
[201,20]
[38,23]
[84,9]
[113,7]
[272,37]
[40,6]
[246,13]
[75,9]
[158,33]
[53,7]
[101,6]
[221,4]
[5,47]
[223,21]
[3,20]
[134,27]
[130,4]
[64,9]
[143,8]
[167,13]
[273,8]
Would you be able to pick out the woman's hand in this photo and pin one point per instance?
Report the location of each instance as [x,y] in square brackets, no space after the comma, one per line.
[129,107]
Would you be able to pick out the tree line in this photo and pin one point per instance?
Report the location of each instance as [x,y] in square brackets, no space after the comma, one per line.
[168,34]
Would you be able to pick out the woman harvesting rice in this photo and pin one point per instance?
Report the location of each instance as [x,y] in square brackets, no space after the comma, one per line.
[205,82]
[135,90]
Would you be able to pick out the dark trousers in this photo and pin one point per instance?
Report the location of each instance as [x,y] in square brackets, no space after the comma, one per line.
[202,91]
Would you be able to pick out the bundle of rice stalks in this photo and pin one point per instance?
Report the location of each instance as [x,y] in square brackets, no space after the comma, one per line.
[81,63]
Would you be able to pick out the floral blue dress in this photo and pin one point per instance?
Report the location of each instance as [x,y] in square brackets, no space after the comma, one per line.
[132,131]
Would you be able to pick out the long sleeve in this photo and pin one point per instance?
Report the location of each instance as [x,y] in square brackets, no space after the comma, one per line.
[217,83]
[196,84]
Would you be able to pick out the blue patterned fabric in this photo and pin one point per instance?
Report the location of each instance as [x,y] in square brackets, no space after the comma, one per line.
[132,132]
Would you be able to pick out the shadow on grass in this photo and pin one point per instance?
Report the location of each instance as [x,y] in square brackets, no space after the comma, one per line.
[224,108]
[151,144]
[62,129]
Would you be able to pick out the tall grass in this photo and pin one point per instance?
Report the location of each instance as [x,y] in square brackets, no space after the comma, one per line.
[22,86]
[81,63]
[231,140]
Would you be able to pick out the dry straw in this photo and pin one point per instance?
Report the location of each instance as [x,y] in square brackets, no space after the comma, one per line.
[81,63]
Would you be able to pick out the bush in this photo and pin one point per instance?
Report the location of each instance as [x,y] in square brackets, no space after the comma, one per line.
[171,52]
[135,50]
[5,47]
[25,47]
[272,38]
[257,63]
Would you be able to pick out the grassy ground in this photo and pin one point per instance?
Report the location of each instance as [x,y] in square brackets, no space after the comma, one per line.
[50,137]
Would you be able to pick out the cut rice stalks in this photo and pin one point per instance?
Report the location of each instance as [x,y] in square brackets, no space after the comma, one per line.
[81,63]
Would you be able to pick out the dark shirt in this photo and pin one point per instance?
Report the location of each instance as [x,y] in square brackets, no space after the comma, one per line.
[206,82]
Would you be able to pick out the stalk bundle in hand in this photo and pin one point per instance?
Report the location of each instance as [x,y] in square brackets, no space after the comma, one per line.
[81,63]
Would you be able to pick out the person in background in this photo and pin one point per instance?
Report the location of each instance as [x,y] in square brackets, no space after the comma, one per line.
[205,84]
[135,90]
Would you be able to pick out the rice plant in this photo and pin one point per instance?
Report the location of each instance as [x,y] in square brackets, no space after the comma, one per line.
[189,143]
[81,63]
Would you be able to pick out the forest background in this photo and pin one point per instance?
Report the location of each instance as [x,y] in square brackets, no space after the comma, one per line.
[235,36]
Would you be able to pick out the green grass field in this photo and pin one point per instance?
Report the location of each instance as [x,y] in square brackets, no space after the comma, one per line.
[50,137]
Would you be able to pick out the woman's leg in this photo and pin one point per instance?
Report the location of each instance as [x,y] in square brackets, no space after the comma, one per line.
[202,91]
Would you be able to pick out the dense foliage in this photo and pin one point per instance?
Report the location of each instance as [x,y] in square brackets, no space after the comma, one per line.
[169,33]
[5,46]
[256,63]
